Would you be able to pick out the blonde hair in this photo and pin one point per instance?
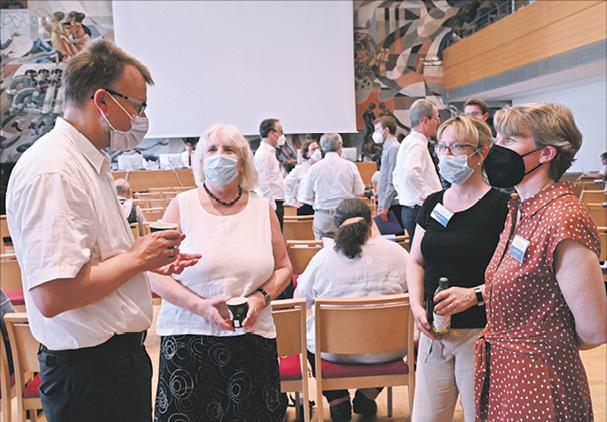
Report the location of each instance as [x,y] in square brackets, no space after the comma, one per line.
[228,135]
[549,125]
[469,129]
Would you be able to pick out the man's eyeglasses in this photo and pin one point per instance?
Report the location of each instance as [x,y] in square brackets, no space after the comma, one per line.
[455,149]
[139,105]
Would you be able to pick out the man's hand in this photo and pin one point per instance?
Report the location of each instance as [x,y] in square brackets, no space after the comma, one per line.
[157,249]
[182,261]
[383,214]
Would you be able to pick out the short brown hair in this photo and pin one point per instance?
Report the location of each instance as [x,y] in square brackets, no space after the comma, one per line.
[305,148]
[549,124]
[477,102]
[387,122]
[98,65]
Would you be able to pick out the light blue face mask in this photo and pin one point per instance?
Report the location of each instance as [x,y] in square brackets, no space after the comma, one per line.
[454,168]
[220,170]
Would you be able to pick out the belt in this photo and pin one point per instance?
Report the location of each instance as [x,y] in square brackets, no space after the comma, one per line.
[116,343]
[325,211]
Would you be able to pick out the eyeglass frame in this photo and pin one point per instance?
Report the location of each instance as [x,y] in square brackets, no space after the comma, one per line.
[446,147]
[141,105]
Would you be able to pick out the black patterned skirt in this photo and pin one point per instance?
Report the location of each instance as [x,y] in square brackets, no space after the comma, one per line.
[228,379]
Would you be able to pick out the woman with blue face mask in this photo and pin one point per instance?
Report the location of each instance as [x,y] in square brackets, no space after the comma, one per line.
[211,368]
[457,231]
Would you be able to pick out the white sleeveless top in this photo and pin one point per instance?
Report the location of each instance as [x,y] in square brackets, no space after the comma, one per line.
[237,258]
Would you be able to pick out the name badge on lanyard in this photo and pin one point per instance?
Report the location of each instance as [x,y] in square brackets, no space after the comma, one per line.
[441,214]
[518,248]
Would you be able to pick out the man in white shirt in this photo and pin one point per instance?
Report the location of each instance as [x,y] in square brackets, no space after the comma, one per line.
[271,183]
[186,156]
[330,181]
[415,176]
[86,290]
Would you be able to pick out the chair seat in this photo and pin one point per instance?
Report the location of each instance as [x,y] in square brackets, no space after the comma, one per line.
[15,296]
[290,368]
[338,370]
[155,295]
[31,391]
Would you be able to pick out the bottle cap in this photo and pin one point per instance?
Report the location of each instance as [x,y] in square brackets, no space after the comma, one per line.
[443,282]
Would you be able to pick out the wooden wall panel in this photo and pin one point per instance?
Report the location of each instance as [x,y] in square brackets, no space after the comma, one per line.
[538,31]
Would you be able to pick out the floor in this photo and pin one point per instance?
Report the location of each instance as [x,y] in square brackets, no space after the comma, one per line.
[595,362]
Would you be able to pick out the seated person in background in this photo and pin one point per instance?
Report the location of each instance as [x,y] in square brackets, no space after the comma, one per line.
[354,265]
[131,210]
[310,151]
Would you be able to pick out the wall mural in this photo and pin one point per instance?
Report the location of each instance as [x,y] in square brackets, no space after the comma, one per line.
[398,48]
[36,39]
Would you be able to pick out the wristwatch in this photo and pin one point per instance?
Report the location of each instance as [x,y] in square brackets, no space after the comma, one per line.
[265,294]
[480,300]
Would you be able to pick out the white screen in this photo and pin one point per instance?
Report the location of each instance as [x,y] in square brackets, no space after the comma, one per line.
[239,62]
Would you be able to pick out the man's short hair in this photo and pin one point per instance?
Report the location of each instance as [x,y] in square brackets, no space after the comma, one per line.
[604,156]
[420,109]
[330,142]
[266,127]
[387,122]
[99,65]
[477,102]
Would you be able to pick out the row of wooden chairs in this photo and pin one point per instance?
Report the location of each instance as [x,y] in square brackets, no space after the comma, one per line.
[144,180]
[340,325]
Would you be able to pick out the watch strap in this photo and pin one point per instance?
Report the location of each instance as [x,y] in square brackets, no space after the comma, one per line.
[265,294]
[480,300]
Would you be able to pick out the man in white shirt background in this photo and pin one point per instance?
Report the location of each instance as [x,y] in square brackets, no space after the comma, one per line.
[330,181]
[415,176]
[86,289]
[271,183]
[186,156]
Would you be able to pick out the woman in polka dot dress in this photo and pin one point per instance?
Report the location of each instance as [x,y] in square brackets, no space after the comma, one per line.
[545,298]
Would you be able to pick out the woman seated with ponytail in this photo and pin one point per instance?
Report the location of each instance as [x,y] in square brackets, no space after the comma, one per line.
[353,265]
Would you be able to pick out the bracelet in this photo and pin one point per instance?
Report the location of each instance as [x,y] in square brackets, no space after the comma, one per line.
[265,294]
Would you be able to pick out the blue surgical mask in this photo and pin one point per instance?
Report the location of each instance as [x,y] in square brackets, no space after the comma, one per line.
[454,168]
[125,140]
[220,169]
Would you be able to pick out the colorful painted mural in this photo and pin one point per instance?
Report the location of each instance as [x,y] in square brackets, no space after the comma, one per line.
[398,49]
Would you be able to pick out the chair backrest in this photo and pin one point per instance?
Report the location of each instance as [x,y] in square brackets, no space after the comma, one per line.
[10,274]
[5,384]
[593,186]
[4,234]
[159,203]
[598,214]
[301,253]
[290,320]
[142,181]
[366,170]
[120,175]
[298,229]
[24,348]
[593,196]
[363,325]
[185,177]
[149,195]
[152,214]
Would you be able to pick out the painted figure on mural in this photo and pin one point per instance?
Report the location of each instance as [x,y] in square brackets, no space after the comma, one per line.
[369,120]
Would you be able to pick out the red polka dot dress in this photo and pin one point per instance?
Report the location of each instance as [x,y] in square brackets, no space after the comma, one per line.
[528,367]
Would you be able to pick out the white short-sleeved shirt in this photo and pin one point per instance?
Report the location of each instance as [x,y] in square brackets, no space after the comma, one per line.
[380,270]
[63,213]
[332,180]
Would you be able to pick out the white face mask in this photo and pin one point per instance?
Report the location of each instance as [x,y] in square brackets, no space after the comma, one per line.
[122,141]
[378,137]
[454,168]
[282,139]
[315,157]
[220,169]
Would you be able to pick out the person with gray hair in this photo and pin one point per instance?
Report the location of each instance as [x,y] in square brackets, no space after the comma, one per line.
[85,280]
[414,175]
[130,209]
[330,181]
